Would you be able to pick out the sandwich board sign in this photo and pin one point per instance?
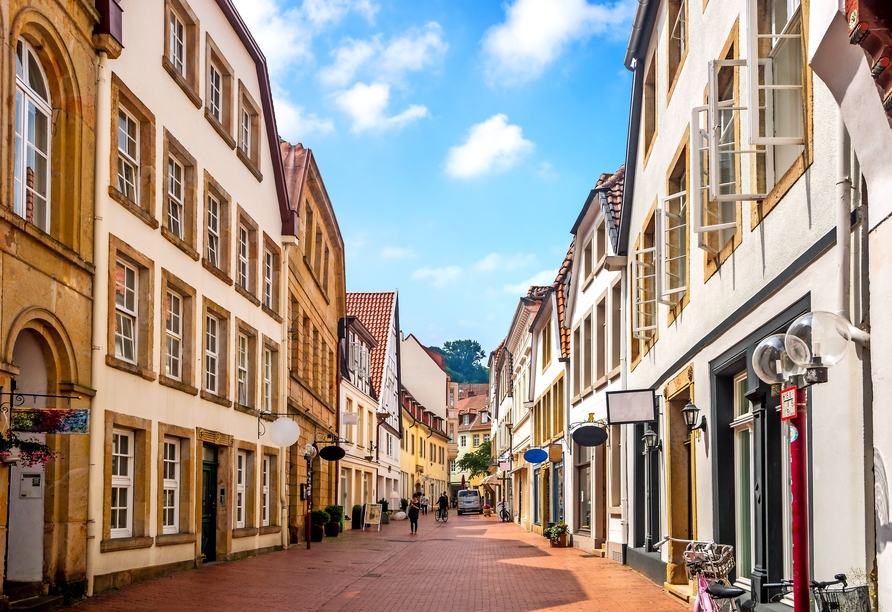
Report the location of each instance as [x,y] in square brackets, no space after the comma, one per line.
[372,516]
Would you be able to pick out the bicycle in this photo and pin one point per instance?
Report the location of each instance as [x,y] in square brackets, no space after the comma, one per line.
[845,599]
[442,514]
[709,564]
[504,512]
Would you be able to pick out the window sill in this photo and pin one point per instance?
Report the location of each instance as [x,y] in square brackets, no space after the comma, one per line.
[271,313]
[47,240]
[177,384]
[249,163]
[244,532]
[188,88]
[171,539]
[180,243]
[223,276]
[245,409]
[601,382]
[612,374]
[130,368]
[222,131]
[216,399]
[270,529]
[115,544]
[246,294]
[587,282]
[133,207]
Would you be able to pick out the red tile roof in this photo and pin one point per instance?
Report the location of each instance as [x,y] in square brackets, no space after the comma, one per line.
[473,405]
[612,187]
[374,310]
[559,286]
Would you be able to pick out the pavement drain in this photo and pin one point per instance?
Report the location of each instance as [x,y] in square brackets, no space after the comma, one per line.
[526,546]
[590,556]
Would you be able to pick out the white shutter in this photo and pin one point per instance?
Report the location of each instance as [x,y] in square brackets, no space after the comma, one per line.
[672,238]
[644,293]
[730,178]
[774,75]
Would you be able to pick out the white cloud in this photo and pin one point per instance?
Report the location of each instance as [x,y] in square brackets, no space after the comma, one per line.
[495,261]
[284,35]
[546,171]
[390,252]
[294,123]
[438,277]
[536,32]
[491,144]
[322,13]
[348,59]
[366,105]
[546,277]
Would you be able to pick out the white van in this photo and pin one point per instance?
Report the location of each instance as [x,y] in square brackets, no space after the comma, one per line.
[469,501]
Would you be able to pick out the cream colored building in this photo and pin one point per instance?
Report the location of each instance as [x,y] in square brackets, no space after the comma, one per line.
[424,455]
[188,341]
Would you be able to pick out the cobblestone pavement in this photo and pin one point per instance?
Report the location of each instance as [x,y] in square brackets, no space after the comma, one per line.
[469,564]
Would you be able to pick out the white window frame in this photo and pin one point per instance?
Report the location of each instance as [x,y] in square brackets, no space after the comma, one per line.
[176,196]
[215,92]
[242,370]
[26,96]
[669,221]
[213,237]
[265,493]
[212,354]
[244,268]
[125,313]
[122,480]
[267,380]
[463,441]
[241,476]
[177,43]
[485,438]
[173,329]
[245,140]
[644,263]
[268,271]
[170,520]
[127,160]
[476,440]
[743,424]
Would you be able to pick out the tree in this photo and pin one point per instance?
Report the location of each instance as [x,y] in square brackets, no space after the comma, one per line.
[476,463]
[463,361]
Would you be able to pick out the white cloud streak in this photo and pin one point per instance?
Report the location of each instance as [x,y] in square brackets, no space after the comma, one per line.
[366,105]
[390,252]
[493,144]
[546,277]
[537,32]
[438,277]
[496,261]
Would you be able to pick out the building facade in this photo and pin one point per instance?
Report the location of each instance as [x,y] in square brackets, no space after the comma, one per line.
[474,429]
[423,454]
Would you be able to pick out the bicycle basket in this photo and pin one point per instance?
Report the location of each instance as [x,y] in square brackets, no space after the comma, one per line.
[714,562]
[849,599]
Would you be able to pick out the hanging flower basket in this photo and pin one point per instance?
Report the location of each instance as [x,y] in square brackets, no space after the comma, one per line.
[26,450]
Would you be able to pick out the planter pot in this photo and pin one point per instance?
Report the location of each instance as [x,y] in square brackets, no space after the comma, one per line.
[332,529]
[317,532]
[385,518]
[561,543]
[356,519]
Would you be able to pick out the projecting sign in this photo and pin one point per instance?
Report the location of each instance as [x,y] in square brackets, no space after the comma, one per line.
[632,406]
[788,403]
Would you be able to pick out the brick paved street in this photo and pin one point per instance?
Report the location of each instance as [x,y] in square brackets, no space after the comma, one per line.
[471,563]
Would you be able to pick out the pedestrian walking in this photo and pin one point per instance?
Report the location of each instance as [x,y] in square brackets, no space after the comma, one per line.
[425,502]
[414,510]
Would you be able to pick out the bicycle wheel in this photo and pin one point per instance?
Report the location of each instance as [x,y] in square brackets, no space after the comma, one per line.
[445,515]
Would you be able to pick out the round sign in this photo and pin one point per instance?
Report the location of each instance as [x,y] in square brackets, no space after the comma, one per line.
[535,455]
[332,453]
[589,435]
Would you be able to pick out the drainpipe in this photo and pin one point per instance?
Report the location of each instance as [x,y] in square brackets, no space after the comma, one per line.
[843,216]
[289,242]
[100,289]
[625,446]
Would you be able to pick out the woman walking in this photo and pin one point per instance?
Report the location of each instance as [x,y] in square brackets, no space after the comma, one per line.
[414,509]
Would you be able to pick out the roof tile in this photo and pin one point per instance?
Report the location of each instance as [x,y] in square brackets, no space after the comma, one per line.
[374,310]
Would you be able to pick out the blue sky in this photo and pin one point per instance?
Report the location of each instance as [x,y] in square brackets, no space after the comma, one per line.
[457,139]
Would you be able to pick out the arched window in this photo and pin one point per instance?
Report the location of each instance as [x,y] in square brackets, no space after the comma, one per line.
[32,139]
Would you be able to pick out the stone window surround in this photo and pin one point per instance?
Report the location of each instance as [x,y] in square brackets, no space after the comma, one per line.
[224,220]
[142,433]
[269,245]
[173,148]
[118,249]
[123,97]
[189,83]
[215,56]
[186,384]
[247,103]
[251,500]
[274,456]
[187,488]
[223,337]
[243,329]
[269,344]
[242,218]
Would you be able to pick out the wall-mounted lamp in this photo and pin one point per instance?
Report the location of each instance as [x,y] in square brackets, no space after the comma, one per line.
[651,443]
[690,413]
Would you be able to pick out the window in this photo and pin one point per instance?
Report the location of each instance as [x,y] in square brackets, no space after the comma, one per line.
[271,271]
[122,484]
[128,155]
[211,354]
[125,311]
[264,493]
[171,509]
[678,38]
[246,257]
[242,375]
[476,440]
[463,441]
[600,241]
[133,154]
[218,103]
[243,258]
[649,111]
[216,229]
[241,477]
[486,437]
[175,204]
[180,57]
[743,468]
[616,320]
[600,357]
[267,380]
[268,279]
[588,354]
[33,112]
[249,131]
[545,340]
[673,239]
[179,213]
[644,284]
[173,325]
[588,257]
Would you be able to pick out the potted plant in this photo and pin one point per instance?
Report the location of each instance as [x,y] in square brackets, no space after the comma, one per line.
[28,451]
[487,510]
[333,526]
[385,513]
[404,504]
[318,519]
[557,534]
[356,517]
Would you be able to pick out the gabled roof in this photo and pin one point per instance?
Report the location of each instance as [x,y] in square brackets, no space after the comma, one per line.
[560,294]
[610,196]
[375,311]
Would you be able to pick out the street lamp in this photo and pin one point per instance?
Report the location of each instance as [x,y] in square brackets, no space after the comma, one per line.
[651,443]
[690,413]
[309,453]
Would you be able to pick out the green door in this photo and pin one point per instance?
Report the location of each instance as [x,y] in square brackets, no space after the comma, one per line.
[209,504]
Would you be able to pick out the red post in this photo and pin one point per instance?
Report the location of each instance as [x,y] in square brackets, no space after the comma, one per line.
[799,478]
[309,500]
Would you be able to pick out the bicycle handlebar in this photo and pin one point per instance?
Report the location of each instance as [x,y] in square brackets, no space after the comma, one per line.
[838,579]
[665,539]
[783,584]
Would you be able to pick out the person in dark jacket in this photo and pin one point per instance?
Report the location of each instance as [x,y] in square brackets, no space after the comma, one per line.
[414,510]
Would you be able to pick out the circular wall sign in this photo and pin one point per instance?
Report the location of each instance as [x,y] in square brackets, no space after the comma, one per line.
[589,435]
[332,453]
[535,455]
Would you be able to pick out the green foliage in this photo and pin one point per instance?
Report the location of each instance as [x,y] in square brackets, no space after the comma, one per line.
[336,513]
[463,361]
[404,503]
[319,517]
[357,508]
[384,504]
[554,532]
[476,463]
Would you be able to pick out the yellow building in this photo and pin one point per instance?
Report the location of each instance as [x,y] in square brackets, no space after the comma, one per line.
[424,456]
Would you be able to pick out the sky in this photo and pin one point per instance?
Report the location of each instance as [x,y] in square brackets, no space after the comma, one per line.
[457,139]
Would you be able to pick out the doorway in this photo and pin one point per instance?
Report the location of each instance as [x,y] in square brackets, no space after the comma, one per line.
[209,503]
[680,494]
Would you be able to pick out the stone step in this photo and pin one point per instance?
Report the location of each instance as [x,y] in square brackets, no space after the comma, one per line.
[16,591]
[44,603]
[684,592]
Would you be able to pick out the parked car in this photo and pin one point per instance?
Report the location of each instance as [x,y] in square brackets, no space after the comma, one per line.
[469,501]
